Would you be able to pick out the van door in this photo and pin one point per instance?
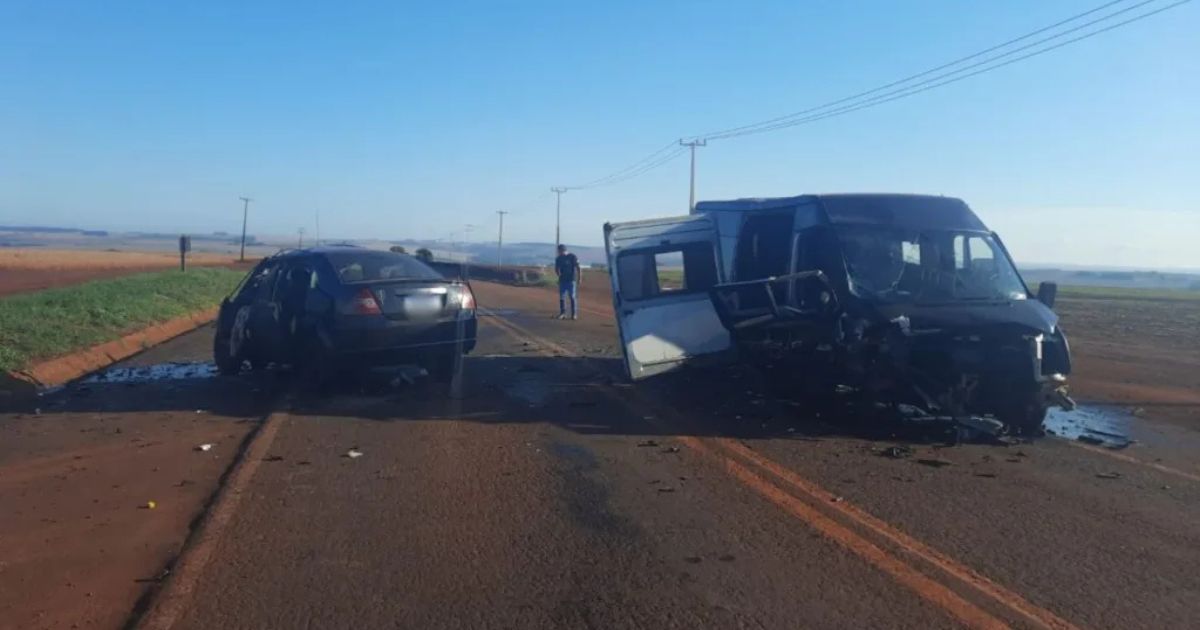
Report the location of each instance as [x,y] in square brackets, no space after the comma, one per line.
[661,272]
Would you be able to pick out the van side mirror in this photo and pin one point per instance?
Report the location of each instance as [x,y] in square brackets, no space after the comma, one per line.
[1046,293]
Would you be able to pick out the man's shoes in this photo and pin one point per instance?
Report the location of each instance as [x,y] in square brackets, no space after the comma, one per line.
[575,316]
[562,315]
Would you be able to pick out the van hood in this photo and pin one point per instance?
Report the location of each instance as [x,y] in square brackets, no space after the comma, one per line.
[1028,314]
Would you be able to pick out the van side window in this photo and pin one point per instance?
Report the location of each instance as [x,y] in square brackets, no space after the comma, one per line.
[687,268]
[764,246]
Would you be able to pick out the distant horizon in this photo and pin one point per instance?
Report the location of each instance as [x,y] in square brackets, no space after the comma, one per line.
[269,239]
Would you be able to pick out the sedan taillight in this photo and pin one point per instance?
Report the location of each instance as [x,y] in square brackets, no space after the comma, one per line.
[364,303]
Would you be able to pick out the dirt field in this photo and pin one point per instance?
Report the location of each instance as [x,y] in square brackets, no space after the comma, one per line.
[23,270]
[1143,354]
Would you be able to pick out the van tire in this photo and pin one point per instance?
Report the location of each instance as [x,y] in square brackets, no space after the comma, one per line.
[1025,417]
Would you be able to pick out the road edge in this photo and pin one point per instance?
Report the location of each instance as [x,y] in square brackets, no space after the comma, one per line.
[161,607]
[68,367]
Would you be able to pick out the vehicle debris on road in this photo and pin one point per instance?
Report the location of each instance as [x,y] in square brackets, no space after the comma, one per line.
[204,447]
[353,453]
[896,452]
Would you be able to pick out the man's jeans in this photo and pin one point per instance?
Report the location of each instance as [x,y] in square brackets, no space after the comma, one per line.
[565,289]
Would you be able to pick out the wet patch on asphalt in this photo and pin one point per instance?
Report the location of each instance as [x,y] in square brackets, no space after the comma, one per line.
[1093,424]
[156,372]
[586,499]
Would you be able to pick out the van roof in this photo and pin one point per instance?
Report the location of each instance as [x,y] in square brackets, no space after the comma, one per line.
[917,211]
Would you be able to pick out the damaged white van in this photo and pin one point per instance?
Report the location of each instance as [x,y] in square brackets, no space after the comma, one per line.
[907,299]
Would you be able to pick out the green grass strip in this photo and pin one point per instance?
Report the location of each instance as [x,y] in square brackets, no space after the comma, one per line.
[49,323]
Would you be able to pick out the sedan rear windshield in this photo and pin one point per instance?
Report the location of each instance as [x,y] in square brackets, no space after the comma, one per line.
[372,266]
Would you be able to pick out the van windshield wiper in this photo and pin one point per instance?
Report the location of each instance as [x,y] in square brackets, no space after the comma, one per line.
[959,300]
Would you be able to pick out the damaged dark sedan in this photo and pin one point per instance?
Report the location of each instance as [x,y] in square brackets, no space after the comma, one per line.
[906,299]
[329,310]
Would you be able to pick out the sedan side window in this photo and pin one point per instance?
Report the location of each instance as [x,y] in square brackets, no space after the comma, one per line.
[264,281]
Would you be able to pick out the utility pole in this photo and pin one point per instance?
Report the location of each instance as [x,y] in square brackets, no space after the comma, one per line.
[245,212]
[318,242]
[692,188]
[467,227]
[300,232]
[558,214]
[500,241]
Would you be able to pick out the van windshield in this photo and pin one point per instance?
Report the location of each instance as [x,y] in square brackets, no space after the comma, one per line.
[897,265]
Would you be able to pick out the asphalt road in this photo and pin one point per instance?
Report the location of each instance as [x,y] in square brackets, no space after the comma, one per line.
[552,494]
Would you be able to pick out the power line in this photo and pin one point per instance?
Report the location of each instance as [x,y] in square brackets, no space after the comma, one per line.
[914,89]
[621,174]
[712,135]
[640,171]
[936,81]
[533,200]
[885,93]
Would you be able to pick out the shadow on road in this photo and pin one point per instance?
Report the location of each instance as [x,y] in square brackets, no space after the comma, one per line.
[580,394]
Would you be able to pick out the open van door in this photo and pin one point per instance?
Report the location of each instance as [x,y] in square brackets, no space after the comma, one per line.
[661,271]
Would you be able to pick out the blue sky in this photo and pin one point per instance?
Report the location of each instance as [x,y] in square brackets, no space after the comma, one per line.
[412,119]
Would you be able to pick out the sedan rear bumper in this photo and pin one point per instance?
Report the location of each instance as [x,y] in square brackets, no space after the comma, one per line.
[394,342]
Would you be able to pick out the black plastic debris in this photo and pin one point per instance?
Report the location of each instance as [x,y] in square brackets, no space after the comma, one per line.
[896,452]
[1108,475]
[934,463]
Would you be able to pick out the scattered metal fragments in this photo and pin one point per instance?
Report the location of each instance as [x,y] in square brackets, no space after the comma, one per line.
[1107,434]
[896,452]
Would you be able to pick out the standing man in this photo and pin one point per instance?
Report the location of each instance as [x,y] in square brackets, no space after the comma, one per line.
[566,265]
